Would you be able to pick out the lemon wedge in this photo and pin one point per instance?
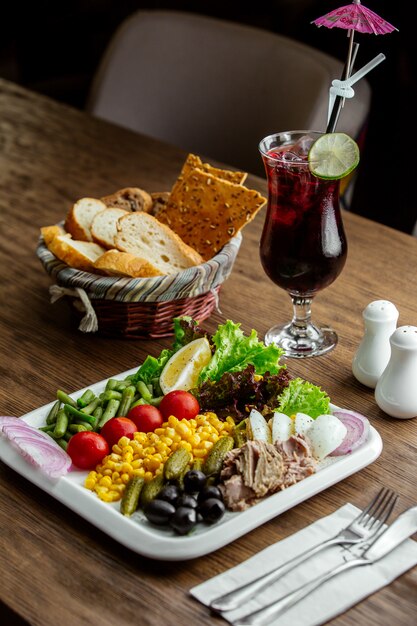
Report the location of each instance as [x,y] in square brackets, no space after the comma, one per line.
[183,368]
[333,156]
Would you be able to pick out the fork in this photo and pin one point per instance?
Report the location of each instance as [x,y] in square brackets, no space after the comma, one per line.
[365,526]
[263,616]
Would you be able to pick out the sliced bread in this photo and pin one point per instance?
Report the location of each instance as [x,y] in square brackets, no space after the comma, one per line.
[104,226]
[80,217]
[80,255]
[50,232]
[129,199]
[144,236]
[116,263]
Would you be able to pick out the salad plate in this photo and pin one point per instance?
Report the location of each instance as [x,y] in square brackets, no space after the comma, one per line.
[137,534]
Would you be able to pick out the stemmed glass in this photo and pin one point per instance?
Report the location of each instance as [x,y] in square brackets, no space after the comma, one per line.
[303,246]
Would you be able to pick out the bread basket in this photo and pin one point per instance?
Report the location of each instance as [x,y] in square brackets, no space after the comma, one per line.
[135,308]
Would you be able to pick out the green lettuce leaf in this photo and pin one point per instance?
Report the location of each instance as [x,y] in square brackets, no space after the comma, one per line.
[303,397]
[234,351]
[152,367]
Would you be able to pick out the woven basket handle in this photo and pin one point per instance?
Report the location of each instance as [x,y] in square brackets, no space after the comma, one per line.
[88,323]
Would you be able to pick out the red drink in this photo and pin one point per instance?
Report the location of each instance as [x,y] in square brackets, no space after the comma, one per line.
[303,246]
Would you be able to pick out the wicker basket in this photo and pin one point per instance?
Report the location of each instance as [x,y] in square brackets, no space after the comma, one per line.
[135,308]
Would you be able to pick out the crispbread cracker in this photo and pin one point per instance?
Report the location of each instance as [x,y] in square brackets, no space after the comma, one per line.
[194,162]
[206,212]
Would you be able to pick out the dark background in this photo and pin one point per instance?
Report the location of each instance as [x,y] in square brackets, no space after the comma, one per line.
[55,47]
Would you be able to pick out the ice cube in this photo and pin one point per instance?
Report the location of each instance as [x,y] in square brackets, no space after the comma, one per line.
[290,157]
[302,146]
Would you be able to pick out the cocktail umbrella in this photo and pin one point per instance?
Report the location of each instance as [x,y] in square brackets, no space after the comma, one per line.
[352,17]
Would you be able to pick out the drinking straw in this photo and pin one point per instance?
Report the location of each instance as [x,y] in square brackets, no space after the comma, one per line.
[347,70]
[343,89]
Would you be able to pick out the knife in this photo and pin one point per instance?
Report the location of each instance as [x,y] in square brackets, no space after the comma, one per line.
[401,528]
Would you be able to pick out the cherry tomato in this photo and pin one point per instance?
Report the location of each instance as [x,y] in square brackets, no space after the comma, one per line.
[146,417]
[118,427]
[180,403]
[87,449]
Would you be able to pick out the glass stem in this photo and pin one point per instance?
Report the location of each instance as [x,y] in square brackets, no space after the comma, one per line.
[302,315]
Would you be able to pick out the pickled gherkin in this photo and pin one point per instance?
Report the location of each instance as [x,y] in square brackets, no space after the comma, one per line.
[214,461]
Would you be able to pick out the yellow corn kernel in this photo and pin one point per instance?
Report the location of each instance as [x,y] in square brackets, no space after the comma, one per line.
[159,431]
[194,439]
[128,457]
[139,472]
[170,431]
[137,463]
[90,482]
[162,448]
[115,476]
[107,472]
[117,450]
[186,445]
[199,453]
[140,437]
[125,478]
[149,450]
[183,429]
[148,476]
[167,440]
[151,464]
[105,481]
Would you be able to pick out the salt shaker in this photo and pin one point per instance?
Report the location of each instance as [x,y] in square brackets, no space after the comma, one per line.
[396,390]
[371,358]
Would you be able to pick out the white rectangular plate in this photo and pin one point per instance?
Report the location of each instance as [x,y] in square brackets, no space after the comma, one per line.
[161,543]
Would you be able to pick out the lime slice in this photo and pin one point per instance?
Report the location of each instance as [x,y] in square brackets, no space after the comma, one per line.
[183,368]
[333,156]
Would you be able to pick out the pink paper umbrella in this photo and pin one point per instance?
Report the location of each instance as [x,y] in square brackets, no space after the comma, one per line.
[352,17]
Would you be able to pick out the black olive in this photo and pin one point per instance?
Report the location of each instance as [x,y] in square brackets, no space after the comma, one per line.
[170,493]
[211,510]
[159,511]
[187,500]
[194,480]
[209,492]
[183,520]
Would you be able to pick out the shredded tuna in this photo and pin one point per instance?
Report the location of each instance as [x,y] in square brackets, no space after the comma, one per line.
[258,469]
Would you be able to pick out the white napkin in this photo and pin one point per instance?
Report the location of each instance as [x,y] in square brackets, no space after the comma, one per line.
[329,600]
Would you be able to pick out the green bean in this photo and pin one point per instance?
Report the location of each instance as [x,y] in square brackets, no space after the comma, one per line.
[156,401]
[77,428]
[126,401]
[51,417]
[111,395]
[111,384]
[87,425]
[65,398]
[47,429]
[61,424]
[144,391]
[98,412]
[62,443]
[67,436]
[87,397]
[157,391]
[110,412]
[79,415]
[121,385]
[91,407]
[139,402]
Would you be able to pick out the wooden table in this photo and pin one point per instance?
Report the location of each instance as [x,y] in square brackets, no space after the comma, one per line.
[55,567]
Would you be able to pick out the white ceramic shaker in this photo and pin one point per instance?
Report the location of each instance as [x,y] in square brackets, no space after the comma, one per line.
[396,390]
[374,351]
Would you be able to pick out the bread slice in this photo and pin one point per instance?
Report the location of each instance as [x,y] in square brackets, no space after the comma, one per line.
[143,235]
[80,255]
[206,211]
[116,263]
[129,199]
[50,232]
[80,217]
[104,226]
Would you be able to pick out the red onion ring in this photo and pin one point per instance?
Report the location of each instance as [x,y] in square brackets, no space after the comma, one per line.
[35,446]
[357,431]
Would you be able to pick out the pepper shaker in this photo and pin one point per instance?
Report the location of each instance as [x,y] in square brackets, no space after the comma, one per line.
[372,356]
[396,390]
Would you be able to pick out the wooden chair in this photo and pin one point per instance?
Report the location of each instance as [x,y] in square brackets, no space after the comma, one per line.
[216,88]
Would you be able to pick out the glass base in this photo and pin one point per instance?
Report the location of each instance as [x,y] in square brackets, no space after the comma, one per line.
[311,341]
